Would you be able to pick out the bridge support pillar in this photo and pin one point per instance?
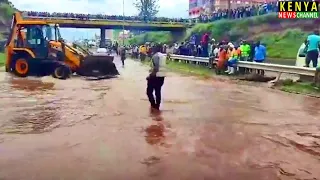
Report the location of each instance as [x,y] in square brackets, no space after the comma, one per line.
[178,35]
[102,37]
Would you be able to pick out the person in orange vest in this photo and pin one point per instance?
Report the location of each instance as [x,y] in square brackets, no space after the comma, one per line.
[222,59]
[233,59]
[143,52]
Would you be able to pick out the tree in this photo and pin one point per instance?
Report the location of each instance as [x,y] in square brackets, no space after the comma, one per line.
[147,8]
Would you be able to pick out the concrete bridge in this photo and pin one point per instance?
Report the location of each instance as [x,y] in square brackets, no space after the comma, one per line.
[176,28]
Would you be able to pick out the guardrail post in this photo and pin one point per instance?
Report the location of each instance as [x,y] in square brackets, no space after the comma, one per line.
[316,77]
[278,77]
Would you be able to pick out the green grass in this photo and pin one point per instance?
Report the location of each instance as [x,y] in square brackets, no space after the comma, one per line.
[301,88]
[2,59]
[190,69]
[284,45]
[187,69]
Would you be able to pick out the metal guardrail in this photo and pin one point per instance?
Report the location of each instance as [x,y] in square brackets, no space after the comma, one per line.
[253,65]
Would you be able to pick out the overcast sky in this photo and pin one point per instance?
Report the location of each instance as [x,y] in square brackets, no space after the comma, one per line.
[168,8]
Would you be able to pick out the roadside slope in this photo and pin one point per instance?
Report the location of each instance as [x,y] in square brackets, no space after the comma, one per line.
[282,37]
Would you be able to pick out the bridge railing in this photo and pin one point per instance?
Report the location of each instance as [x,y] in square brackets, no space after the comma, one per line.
[114,20]
[253,65]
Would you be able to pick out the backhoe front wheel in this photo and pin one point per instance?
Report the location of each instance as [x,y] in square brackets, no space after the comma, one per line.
[21,67]
[61,72]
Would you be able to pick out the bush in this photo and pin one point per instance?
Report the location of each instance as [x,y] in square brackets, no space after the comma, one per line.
[6,10]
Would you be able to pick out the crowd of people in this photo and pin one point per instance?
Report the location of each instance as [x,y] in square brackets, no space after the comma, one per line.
[103,17]
[240,12]
[227,53]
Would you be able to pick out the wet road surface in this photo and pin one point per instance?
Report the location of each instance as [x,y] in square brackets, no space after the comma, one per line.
[208,129]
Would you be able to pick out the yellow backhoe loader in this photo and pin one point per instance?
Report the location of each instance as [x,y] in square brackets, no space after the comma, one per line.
[36,48]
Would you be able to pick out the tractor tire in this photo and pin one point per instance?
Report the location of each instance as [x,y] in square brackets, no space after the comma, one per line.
[20,67]
[61,72]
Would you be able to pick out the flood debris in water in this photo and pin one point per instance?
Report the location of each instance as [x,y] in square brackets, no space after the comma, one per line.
[34,121]
[30,85]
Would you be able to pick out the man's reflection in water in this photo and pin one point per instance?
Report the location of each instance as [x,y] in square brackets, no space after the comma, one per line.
[155,132]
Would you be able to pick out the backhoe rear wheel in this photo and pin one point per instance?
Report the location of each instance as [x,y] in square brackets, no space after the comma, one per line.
[61,72]
[21,67]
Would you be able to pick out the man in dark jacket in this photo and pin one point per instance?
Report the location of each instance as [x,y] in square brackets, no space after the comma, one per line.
[123,54]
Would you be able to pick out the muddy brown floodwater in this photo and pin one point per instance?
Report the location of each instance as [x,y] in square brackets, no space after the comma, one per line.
[208,129]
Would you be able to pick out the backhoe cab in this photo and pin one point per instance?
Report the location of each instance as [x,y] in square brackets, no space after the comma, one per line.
[37,48]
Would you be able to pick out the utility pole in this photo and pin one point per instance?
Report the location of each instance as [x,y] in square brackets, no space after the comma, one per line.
[229,8]
[123,22]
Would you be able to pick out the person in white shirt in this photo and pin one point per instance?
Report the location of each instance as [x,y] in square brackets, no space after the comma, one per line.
[156,77]
[215,52]
[135,52]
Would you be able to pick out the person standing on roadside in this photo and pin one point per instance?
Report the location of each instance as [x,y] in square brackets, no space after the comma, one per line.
[312,45]
[260,53]
[155,80]
[204,45]
[222,59]
[123,54]
[143,52]
[245,53]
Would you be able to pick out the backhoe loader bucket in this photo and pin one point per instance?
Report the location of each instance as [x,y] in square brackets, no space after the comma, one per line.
[98,66]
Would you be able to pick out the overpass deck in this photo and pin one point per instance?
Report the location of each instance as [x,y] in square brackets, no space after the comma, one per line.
[111,24]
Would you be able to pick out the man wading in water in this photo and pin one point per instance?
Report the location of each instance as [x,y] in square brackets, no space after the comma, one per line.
[156,77]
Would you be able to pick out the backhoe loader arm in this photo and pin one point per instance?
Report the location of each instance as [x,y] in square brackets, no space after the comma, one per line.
[16,18]
[69,55]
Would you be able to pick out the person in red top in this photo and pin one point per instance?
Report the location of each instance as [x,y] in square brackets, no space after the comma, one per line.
[205,41]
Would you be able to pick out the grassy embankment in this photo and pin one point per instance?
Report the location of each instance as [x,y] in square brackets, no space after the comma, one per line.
[300,88]
[282,37]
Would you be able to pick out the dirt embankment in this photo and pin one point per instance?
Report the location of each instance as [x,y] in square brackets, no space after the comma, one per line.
[282,26]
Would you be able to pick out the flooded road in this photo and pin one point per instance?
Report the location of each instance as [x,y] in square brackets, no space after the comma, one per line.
[208,129]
